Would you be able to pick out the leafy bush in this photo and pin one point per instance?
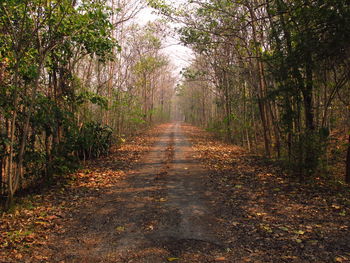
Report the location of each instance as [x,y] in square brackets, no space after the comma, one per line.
[307,153]
[94,140]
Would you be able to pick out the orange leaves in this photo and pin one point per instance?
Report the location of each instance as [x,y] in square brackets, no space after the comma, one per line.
[30,226]
[270,215]
[220,259]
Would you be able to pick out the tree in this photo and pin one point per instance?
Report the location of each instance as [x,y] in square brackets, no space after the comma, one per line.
[35,34]
[285,60]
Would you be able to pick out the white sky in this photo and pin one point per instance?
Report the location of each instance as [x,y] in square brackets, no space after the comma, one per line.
[180,55]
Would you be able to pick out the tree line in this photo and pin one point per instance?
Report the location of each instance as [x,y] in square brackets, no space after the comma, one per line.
[79,76]
[75,78]
[271,75]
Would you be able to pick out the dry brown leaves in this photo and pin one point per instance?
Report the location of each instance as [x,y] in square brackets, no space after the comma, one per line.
[25,229]
[269,217]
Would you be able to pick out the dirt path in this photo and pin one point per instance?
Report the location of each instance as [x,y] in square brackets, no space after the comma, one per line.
[161,212]
[191,198]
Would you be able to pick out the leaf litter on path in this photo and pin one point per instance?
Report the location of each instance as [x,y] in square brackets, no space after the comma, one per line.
[264,216]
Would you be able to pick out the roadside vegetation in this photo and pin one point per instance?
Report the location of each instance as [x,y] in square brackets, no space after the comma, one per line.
[76,78]
[271,76]
[86,88]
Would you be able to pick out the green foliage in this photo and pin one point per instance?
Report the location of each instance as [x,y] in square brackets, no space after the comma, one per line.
[301,164]
[41,43]
[63,165]
[300,47]
[92,97]
[275,69]
[162,6]
[216,127]
[94,140]
[148,64]
[95,35]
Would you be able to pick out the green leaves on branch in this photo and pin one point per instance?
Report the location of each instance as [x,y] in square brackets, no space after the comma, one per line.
[148,64]
[92,97]
[162,6]
[94,140]
[41,44]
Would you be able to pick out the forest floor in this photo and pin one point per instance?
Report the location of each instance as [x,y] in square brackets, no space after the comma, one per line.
[176,194]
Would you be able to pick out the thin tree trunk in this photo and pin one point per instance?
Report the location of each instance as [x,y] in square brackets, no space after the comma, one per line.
[14,180]
[261,85]
[12,128]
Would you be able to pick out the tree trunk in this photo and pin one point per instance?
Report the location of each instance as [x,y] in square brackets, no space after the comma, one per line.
[11,132]
[261,85]
[15,179]
[310,154]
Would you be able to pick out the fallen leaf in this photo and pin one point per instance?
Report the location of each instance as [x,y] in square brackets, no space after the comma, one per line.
[342,213]
[220,259]
[300,232]
[313,242]
[260,214]
[40,257]
[266,228]
[172,259]
[120,228]
[298,240]
[336,206]
[284,228]
[43,223]
[51,217]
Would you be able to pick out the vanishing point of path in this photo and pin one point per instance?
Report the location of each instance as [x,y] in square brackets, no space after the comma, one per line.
[160,212]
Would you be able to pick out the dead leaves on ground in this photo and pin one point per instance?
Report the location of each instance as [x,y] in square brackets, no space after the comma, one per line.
[268,217]
[264,216]
[25,230]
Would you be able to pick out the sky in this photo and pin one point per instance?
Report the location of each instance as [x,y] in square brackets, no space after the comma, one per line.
[179,55]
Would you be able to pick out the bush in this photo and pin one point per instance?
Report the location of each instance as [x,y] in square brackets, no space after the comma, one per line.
[307,152]
[94,140]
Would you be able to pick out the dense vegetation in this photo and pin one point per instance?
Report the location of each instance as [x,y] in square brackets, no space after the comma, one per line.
[75,78]
[272,76]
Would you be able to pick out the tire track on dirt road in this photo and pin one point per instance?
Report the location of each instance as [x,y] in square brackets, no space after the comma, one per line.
[161,210]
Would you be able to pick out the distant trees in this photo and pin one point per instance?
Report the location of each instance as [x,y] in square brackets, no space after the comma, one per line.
[152,77]
[75,76]
[68,88]
[276,71]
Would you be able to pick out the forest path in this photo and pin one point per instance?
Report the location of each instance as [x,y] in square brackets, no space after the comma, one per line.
[177,194]
[161,212]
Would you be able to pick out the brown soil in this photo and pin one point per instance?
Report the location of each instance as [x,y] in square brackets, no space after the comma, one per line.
[191,198]
[161,210]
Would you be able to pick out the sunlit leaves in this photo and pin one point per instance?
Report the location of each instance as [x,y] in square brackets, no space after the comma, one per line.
[172,259]
[162,6]
[25,229]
